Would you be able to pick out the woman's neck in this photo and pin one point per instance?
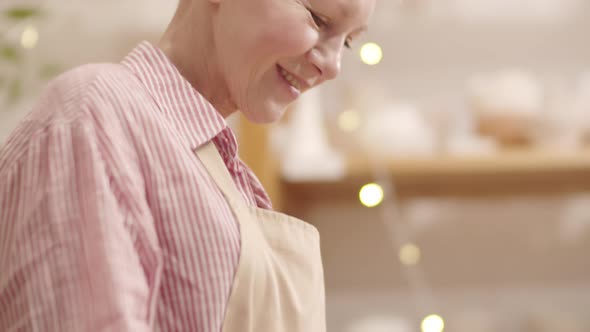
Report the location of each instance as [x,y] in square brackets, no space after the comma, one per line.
[188,43]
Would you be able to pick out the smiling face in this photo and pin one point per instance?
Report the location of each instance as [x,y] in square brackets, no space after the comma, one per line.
[270,51]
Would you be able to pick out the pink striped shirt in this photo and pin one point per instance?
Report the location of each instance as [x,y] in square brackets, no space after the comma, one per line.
[108,221]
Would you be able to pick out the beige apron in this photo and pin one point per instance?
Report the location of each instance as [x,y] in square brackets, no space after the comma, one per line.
[279,282]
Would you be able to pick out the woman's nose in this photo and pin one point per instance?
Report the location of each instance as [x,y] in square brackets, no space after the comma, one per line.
[326,57]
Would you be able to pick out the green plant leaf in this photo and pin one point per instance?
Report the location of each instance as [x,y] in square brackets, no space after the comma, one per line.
[21,13]
[49,71]
[9,53]
[15,91]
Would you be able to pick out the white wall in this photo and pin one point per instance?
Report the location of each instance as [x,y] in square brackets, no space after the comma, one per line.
[77,32]
[429,60]
[429,54]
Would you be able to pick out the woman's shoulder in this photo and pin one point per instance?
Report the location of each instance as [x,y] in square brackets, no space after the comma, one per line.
[92,96]
[78,91]
[93,84]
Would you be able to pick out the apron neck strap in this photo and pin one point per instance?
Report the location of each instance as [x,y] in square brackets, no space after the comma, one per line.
[211,159]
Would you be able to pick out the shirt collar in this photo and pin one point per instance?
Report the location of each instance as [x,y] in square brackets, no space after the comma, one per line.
[195,119]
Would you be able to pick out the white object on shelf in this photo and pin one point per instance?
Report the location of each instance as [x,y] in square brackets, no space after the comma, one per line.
[381,324]
[307,154]
[566,118]
[469,145]
[512,91]
[397,130]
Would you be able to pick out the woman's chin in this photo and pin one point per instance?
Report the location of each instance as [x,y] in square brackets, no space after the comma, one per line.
[265,115]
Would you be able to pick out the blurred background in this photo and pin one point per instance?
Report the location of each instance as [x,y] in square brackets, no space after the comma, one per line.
[447,170]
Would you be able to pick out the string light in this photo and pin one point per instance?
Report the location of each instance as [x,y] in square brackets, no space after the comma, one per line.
[371,54]
[371,195]
[433,323]
[349,121]
[409,254]
[29,37]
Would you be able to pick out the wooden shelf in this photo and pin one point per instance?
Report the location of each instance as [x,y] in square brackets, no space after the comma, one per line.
[518,172]
[513,161]
[514,172]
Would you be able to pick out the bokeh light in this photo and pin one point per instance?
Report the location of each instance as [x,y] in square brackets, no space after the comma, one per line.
[409,254]
[433,323]
[371,195]
[371,54]
[349,121]
[29,37]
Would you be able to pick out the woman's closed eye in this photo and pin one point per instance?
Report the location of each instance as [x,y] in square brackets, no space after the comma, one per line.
[321,22]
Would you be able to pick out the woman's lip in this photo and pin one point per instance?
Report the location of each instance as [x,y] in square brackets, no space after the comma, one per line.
[302,83]
[293,92]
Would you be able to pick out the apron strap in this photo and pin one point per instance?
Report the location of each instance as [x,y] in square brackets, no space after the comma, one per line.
[211,159]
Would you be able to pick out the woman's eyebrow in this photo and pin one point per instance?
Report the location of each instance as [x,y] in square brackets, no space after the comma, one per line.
[363,28]
[359,30]
[346,11]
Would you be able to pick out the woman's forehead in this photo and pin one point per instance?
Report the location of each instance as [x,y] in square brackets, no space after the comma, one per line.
[359,10]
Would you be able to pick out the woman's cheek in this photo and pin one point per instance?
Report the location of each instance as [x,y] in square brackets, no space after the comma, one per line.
[294,35]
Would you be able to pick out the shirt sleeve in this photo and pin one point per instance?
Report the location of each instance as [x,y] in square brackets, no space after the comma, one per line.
[71,258]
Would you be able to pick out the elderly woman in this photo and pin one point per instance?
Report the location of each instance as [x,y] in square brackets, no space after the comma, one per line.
[123,203]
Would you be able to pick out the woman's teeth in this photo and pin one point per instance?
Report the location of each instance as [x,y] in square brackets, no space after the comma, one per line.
[293,81]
